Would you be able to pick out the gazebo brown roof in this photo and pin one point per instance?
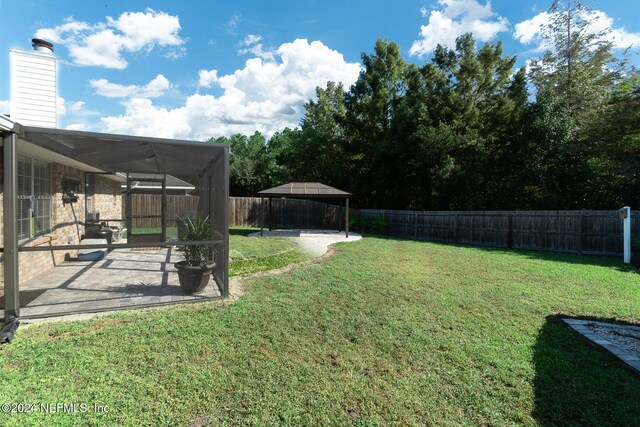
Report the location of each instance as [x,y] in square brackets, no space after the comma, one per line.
[306,190]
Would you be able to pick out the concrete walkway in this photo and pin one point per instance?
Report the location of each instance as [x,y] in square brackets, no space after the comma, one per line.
[315,242]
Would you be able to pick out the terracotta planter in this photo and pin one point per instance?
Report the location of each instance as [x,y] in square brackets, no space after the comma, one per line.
[193,279]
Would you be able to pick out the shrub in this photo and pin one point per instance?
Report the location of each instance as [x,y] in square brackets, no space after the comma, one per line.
[368,224]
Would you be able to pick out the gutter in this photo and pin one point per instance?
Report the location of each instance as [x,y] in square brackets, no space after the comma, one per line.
[6,125]
[9,329]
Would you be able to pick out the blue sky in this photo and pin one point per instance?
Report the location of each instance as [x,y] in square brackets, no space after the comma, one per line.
[193,70]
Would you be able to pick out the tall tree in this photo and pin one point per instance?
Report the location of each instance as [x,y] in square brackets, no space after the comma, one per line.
[320,154]
[578,67]
[371,105]
[475,106]
[252,166]
[615,140]
[576,78]
[284,147]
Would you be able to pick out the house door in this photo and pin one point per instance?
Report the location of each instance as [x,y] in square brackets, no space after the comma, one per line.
[146,208]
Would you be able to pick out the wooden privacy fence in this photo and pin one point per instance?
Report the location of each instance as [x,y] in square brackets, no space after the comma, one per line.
[579,232]
[244,211]
[150,204]
[285,213]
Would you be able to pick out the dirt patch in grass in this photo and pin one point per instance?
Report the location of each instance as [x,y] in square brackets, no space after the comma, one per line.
[238,285]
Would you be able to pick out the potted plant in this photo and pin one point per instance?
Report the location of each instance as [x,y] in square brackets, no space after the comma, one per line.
[195,269]
[635,251]
[69,197]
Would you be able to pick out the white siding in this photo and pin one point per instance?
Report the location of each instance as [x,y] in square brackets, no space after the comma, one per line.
[33,88]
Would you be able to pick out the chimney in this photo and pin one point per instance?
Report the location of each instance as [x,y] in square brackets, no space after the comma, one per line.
[41,46]
[34,88]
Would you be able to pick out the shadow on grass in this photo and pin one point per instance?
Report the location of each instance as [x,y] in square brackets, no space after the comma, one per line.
[602,261]
[577,383]
[241,231]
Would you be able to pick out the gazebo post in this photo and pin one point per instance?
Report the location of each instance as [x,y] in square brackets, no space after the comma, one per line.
[346,217]
[270,215]
[261,216]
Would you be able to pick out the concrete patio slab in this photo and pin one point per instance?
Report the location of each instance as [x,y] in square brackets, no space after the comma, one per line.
[316,242]
[124,279]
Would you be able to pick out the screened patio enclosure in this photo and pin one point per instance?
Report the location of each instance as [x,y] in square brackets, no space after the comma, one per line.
[154,210]
[111,154]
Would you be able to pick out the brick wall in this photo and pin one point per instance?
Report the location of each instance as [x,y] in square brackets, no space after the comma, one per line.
[107,198]
[67,219]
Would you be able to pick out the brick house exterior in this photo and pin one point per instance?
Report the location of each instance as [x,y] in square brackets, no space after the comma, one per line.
[67,219]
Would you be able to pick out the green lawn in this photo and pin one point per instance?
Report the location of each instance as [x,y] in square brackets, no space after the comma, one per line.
[242,247]
[253,254]
[250,254]
[384,332]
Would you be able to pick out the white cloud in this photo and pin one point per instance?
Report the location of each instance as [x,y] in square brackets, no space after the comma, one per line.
[103,44]
[76,106]
[206,78]
[77,126]
[61,107]
[251,39]
[143,118]
[153,89]
[530,31]
[265,95]
[455,18]
[231,25]
[4,107]
[252,46]
[257,50]
[74,115]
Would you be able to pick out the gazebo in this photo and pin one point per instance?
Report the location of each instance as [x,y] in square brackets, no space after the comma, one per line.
[305,190]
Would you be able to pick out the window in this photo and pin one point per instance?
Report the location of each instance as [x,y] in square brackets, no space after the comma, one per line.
[34,197]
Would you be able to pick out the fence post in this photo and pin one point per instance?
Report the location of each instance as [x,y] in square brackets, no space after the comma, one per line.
[415,230]
[384,218]
[455,228]
[557,230]
[283,206]
[581,231]
[346,217]
[261,216]
[510,231]
[484,226]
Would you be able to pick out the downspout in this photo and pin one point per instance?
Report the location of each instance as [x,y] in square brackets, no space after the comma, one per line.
[9,329]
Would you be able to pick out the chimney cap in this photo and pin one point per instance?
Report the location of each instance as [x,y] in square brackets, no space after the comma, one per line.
[41,45]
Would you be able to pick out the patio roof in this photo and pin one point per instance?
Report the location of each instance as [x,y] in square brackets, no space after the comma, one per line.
[124,153]
[304,189]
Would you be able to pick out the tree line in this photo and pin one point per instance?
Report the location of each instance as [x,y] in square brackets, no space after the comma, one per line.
[466,130]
